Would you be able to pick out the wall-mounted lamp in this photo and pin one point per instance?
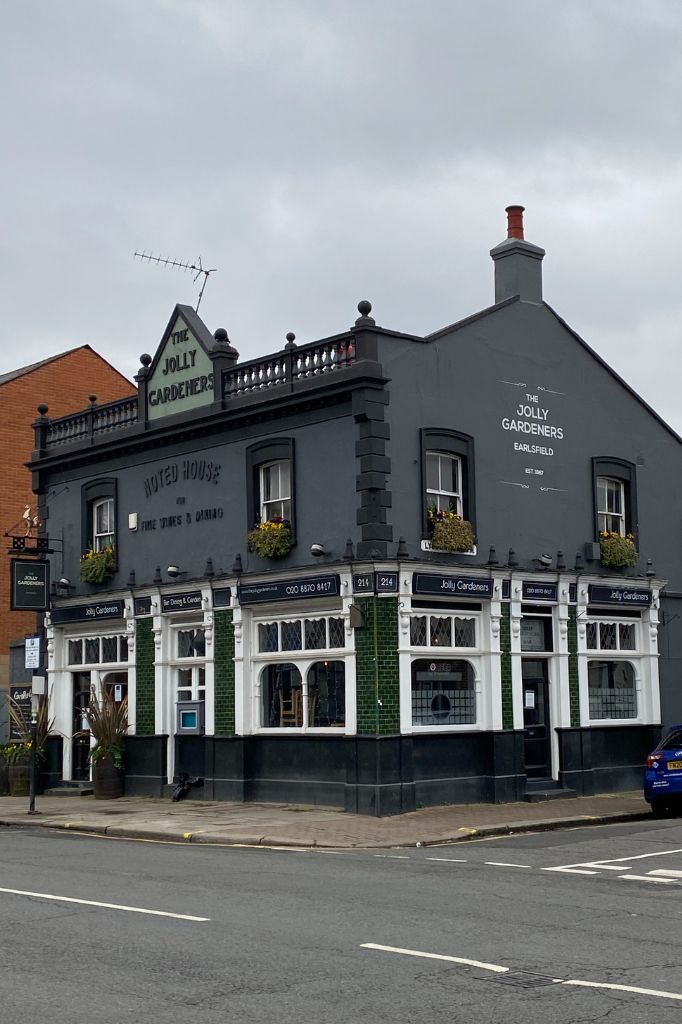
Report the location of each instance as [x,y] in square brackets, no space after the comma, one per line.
[174,571]
[544,560]
[64,583]
[317,550]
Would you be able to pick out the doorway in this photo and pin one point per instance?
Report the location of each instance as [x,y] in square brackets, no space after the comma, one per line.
[80,744]
[536,718]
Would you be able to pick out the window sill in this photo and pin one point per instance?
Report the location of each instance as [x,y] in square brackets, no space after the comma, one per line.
[426,546]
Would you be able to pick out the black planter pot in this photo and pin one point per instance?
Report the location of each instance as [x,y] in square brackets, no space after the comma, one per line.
[4,778]
[107,780]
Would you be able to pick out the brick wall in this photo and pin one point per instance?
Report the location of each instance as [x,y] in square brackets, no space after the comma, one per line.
[377,671]
[223,659]
[63,385]
[144,688]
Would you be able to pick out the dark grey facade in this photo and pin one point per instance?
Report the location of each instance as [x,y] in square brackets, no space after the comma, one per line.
[380,672]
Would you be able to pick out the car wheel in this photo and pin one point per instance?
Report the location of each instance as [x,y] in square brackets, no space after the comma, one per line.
[659,808]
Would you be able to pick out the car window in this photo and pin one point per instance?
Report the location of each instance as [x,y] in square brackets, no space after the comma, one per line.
[673,739]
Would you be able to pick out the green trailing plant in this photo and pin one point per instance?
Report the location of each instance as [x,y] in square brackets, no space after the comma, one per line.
[108,726]
[449,532]
[617,552]
[97,566]
[271,539]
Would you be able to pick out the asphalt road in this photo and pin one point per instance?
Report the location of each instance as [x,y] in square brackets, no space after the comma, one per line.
[523,929]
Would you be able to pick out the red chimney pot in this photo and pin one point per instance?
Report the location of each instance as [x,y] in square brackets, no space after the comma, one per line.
[514,221]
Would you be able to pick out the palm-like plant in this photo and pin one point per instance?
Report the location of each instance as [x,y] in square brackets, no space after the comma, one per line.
[108,725]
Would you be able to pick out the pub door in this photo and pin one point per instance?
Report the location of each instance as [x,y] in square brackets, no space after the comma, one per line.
[536,718]
[80,744]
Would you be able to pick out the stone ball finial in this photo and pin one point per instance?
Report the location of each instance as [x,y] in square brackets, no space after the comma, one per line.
[146,359]
[220,335]
[92,399]
[364,307]
[42,409]
[291,340]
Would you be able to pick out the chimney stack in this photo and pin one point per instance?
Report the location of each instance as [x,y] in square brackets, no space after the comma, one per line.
[518,264]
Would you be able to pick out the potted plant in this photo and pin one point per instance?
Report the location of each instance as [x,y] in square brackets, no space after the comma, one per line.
[617,552]
[108,726]
[4,769]
[19,768]
[271,539]
[97,566]
[449,532]
[19,752]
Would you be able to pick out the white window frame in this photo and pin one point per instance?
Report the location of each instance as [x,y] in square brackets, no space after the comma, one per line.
[606,516]
[303,658]
[279,506]
[100,539]
[453,498]
[475,692]
[86,666]
[627,652]
[635,665]
[195,663]
[446,613]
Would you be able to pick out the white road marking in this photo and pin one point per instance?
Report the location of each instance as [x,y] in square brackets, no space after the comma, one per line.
[571,871]
[648,878]
[391,856]
[625,988]
[607,867]
[668,874]
[449,860]
[496,968]
[614,860]
[504,864]
[107,906]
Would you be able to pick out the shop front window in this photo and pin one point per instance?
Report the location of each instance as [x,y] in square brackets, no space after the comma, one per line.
[443,693]
[612,690]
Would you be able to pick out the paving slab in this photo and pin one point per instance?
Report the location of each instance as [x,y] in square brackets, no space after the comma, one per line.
[222,823]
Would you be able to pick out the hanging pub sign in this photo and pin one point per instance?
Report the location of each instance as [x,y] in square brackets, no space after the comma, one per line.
[629,597]
[88,612]
[539,591]
[181,602]
[289,590]
[446,586]
[30,591]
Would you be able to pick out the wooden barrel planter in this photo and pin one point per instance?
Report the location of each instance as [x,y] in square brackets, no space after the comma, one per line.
[107,780]
[19,779]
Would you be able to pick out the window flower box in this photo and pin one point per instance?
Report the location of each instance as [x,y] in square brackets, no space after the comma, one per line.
[271,539]
[97,566]
[617,552]
[449,532]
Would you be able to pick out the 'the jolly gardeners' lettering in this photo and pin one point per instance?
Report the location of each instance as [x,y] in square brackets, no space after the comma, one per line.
[531,418]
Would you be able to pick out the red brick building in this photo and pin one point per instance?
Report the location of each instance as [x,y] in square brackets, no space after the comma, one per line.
[64,383]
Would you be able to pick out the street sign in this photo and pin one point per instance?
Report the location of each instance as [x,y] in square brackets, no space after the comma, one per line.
[32,652]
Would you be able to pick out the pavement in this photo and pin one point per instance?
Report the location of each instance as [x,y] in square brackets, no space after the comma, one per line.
[252,824]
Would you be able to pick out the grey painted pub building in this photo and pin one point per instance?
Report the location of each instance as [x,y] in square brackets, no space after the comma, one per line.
[368,667]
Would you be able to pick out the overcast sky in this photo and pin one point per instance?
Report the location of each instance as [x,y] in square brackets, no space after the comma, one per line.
[321,152]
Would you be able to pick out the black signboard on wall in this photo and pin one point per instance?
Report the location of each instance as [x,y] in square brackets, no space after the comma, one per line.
[289,590]
[181,602]
[626,597]
[30,585]
[446,586]
[21,696]
[539,591]
[89,612]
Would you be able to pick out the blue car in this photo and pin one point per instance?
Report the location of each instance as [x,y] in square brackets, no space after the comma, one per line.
[663,774]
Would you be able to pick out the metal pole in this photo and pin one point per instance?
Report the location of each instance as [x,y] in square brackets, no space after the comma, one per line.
[32,780]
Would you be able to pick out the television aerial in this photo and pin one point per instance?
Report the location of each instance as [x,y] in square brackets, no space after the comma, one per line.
[196,268]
